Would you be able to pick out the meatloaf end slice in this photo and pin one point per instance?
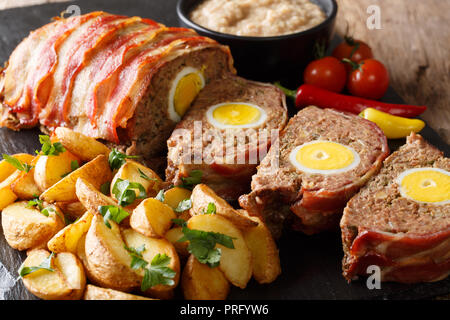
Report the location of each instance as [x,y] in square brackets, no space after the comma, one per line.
[408,240]
[215,154]
[317,200]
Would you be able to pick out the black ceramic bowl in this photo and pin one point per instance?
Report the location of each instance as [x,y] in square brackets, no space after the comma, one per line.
[270,58]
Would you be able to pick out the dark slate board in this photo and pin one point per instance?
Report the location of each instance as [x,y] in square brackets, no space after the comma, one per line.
[311,264]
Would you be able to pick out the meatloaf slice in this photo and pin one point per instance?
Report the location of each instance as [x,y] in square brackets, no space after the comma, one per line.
[407,239]
[227,157]
[316,199]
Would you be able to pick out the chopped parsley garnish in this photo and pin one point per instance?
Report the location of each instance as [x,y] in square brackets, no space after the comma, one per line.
[124,191]
[160,196]
[46,265]
[202,244]
[37,203]
[116,159]
[17,163]
[156,273]
[184,205]
[146,177]
[48,148]
[211,209]
[195,177]
[113,213]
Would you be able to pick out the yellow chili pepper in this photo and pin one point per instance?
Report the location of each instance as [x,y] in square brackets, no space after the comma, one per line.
[394,127]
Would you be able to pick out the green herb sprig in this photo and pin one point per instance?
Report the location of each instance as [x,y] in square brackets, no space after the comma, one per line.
[113,213]
[124,191]
[116,159]
[48,148]
[194,178]
[45,265]
[17,163]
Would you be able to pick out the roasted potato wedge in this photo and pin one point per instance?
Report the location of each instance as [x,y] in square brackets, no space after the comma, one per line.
[7,196]
[25,187]
[109,262]
[152,218]
[202,195]
[50,169]
[200,282]
[7,169]
[265,257]
[81,254]
[26,227]
[73,210]
[66,282]
[236,264]
[98,293]
[153,246]
[175,195]
[66,240]
[175,234]
[96,172]
[90,197]
[135,172]
[84,147]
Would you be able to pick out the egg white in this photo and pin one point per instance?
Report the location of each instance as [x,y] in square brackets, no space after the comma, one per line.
[402,175]
[209,116]
[173,115]
[299,166]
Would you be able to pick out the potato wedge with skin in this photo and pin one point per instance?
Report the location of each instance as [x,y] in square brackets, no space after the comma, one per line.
[66,282]
[81,254]
[265,257]
[175,195]
[236,264]
[200,282]
[109,262]
[98,293]
[153,246]
[66,240]
[26,227]
[96,172]
[7,169]
[146,177]
[84,147]
[202,196]
[7,196]
[50,169]
[152,218]
[175,234]
[73,210]
[25,187]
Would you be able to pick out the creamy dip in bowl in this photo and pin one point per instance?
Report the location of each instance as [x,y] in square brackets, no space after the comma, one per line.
[257,18]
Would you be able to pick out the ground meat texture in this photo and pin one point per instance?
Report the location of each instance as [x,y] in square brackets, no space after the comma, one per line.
[228,179]
[151,126]
[316,199]
[403,235]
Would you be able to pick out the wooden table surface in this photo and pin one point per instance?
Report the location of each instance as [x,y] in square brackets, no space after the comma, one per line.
[413,42]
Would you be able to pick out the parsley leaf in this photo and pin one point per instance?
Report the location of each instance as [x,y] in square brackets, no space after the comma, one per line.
[146,177]
[156,273]
[183,205]
[46,265]
[113,213]
[160,196]
[202,244]
[104,188]
[116,159]
[211,209]
[195,177]
[48,148]
[17,163]
[125,195]
[36,202]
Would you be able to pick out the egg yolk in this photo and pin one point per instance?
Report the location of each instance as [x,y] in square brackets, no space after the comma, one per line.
[425,185]
[236,114]
[324,157]
[187,89]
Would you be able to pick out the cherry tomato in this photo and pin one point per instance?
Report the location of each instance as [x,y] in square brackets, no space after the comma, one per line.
[369,80]
[355,50]
[328,73]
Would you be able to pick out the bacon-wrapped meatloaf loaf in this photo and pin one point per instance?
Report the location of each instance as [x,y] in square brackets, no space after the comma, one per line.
[400,221]
[126,80]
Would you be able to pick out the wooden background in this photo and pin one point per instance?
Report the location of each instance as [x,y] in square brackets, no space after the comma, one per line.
[413,42]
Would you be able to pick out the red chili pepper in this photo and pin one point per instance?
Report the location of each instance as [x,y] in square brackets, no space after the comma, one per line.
[308,95]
